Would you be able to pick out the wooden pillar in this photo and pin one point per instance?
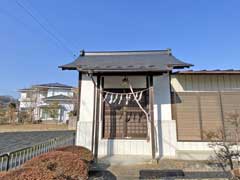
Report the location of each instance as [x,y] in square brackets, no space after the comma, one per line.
[78,102]
[97,119]
[151,102]
[79,94]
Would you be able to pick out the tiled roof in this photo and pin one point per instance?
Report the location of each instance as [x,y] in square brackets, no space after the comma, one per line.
[53,85]
[126,61]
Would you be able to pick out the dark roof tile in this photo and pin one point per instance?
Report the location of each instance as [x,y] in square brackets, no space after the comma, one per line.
[53,85]
[155,60]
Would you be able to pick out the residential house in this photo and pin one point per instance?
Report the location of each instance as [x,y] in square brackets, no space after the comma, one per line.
[53,101]
[137,103]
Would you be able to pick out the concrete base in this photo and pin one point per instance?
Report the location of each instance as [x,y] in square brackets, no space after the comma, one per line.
[193,155]
[125,160]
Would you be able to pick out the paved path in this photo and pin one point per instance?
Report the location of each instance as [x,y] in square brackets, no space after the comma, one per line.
[11,141]
[123,168]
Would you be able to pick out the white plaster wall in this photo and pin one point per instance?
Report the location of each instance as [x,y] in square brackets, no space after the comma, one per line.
[124,147]
[84,124]
[116,82]
[164,125]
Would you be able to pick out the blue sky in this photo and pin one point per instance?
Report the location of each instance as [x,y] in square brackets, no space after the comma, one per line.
[205,33]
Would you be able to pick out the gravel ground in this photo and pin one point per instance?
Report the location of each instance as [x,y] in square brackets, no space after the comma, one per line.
[11,141]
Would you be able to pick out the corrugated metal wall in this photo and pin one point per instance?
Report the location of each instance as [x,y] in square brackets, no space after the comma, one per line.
[181,83]
[204,103]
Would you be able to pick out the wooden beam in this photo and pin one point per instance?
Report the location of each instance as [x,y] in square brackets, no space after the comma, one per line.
[151,102]
[94,118]
[97,120]
[132,73]
[79,94]
[78,100]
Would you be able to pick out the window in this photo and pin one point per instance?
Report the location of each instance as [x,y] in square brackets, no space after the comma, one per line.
[124,121]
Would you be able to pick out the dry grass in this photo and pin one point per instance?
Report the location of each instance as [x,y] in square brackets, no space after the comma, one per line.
[82,152]
[55,165]
[33,127]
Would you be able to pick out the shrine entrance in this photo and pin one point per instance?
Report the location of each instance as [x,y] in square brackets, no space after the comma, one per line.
[122,117]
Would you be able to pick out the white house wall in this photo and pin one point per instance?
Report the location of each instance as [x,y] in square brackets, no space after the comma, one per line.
[56,91]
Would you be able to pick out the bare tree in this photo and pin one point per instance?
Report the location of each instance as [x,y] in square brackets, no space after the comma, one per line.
[225,142]
[53,109]
[3,112]
[11,113]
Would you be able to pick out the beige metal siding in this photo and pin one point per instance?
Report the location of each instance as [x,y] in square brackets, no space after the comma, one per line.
[187,115]
[231,112]
[182,83]
[210,113]
[198,113]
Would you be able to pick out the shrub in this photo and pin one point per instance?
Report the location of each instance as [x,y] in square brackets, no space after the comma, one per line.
[53,165]
[82,152]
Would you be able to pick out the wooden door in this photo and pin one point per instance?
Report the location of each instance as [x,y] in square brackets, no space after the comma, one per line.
[122,120]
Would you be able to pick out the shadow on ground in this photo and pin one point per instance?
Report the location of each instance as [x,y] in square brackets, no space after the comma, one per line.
[104,174]
[180,174]
[99,171]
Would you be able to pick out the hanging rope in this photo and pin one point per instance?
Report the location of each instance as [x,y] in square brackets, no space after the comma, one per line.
[105,97]
[115,99]
[120,100]
[138,92]
[137,96]
[111,99]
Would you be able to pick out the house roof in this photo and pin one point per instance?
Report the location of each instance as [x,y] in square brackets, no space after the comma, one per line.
[25,89]
[53,85]
[125,61]
[58,97]
[216,71]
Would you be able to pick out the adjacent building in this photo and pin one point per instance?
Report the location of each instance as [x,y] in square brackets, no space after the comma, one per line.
[48,102]
[139,103]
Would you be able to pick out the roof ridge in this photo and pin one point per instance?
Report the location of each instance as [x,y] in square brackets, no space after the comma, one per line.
[54,84]
[89,53]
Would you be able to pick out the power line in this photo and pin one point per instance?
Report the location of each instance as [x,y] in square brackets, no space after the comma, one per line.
[73,44]
[46,30]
